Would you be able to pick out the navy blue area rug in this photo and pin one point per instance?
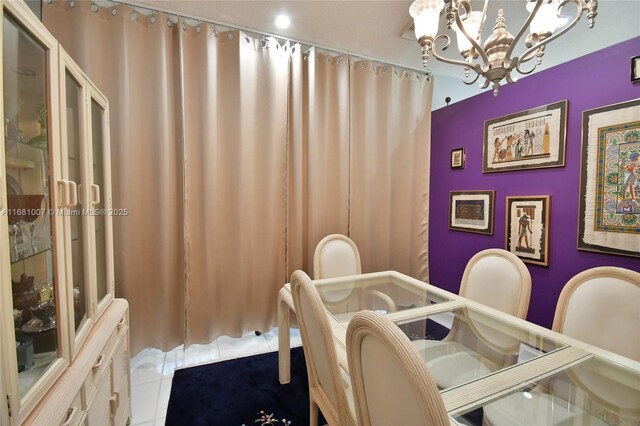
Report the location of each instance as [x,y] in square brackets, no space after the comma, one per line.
[242,391]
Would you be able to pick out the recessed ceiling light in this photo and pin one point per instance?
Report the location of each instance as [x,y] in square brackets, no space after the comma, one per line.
[283,21]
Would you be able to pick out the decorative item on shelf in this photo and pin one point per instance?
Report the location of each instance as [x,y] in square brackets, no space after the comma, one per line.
[25,284]
[17,318]
[609,208]
[546,22]
[23,301]
[44,317]
[76,299]
[40,141]
[46,292]
[23,212]
[531,139]
[527,230]
[11,131]
[24,297]
[24,352]
[457,158]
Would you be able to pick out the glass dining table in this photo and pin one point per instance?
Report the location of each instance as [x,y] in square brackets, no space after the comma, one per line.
[490,367]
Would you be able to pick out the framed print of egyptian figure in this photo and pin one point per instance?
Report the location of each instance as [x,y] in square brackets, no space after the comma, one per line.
[530,139]
[609,205]
[527,230]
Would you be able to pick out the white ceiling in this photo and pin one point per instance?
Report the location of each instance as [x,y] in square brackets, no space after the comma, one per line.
[373,29]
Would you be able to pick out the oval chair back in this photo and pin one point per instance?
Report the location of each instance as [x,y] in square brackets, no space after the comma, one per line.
[601,306]
[498,279]
[390,381]
[336,255]
[326,386]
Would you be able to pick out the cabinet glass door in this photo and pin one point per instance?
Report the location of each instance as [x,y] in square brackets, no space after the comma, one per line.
[101,198]
[28,154]
[73,125]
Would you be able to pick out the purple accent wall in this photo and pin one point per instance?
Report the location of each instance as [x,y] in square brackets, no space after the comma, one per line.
[595,80]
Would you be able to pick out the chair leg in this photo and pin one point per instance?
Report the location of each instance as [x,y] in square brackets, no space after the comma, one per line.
[313,412]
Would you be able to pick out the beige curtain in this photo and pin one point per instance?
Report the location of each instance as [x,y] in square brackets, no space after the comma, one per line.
[235,133]
[235,156]
[135,64]
[318,195]
[390,112]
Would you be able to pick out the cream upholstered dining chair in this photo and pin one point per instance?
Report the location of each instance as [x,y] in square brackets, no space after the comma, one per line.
[328,390]
[601,306]
[498,279]
[390,381]
[336,255]
[495,278]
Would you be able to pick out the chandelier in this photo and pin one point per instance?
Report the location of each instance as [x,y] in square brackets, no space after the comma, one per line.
[494,58]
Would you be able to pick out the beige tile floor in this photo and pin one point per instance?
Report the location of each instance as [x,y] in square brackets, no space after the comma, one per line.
[152,370]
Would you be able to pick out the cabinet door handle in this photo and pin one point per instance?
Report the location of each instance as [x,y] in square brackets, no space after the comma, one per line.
[95,194]
[73,194]
[122,322]
[114,402]
[98,363]
[63,198]
[71,413]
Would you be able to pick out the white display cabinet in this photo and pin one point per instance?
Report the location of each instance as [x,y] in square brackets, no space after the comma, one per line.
[57,305]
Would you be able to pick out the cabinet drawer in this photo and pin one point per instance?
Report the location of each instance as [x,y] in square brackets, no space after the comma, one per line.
[120,383]
[74,413]
[99,407]
[100,366]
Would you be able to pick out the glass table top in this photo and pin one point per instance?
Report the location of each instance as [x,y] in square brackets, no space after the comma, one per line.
[381,292]
[464,344]
[591,392]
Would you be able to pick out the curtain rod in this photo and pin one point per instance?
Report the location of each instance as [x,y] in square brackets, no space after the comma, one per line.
[243,28]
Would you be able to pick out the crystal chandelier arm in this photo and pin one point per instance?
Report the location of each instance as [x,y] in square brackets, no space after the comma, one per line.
[516,39]
[467,7]
[528,55]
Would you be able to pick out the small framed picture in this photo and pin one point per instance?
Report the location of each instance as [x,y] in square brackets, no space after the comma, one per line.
[471,211]
[457,158]
[528,228]
[635,68]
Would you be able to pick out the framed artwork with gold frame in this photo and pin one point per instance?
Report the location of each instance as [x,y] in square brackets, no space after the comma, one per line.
[527,230]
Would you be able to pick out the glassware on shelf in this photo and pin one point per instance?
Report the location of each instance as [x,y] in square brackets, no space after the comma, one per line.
[24,210]
[40,141]
[12,133]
